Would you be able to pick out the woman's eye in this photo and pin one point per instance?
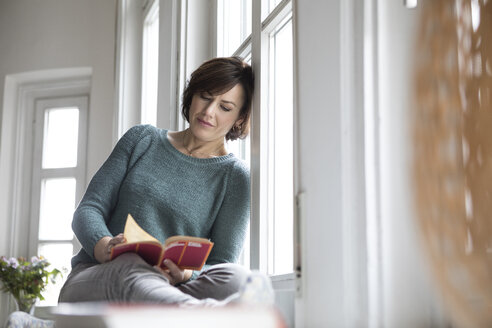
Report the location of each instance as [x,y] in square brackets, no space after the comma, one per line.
[205,97]
[225,108]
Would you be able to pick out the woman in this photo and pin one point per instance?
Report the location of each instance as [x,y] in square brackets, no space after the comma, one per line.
[172,183]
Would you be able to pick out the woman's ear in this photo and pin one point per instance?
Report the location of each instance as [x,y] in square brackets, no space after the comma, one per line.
[239,122]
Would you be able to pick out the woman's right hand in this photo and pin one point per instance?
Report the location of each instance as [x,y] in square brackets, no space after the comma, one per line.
[102,250]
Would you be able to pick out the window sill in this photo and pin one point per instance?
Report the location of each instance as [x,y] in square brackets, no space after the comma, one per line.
[284,282]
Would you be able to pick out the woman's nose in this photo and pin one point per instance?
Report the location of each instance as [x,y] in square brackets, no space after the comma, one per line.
[209,108]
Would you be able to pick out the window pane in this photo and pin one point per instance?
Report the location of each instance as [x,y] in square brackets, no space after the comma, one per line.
[267,7]
[56,210]
[233,25]
[61,129]
[59,256]
[150,66]
[242,149]
[281,154]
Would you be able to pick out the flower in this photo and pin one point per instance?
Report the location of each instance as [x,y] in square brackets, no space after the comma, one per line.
[26,279]
[13,262]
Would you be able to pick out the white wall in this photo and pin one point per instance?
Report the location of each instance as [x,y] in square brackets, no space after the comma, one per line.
[48,34]
[317,32]
[409,297]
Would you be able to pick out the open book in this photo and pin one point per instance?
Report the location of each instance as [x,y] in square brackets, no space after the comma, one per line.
[185,251]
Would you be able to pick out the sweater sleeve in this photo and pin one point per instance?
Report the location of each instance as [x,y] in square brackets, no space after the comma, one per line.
[229,228]
[94,210]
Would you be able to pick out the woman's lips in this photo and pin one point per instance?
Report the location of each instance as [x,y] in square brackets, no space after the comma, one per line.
[202,122]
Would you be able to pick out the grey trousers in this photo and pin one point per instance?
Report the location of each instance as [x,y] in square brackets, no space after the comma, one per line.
[130,279]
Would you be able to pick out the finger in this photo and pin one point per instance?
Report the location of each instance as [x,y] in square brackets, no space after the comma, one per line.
[108,248]
[120,238]
[174,270]
[114,241]
[102,250]
[165,274]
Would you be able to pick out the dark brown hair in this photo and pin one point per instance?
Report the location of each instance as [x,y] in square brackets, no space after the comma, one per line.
[216,77]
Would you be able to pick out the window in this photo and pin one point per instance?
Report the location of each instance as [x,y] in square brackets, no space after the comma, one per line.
[268,6]
[280,150]
[272,249]
[58,181]
[150,63]
[233,25]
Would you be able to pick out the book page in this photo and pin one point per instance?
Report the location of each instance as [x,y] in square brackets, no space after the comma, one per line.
[134,233]
[174,239]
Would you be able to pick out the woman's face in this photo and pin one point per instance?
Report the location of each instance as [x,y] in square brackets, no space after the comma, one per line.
[212,116]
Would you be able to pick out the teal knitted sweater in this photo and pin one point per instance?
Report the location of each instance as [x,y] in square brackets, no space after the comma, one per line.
[168,193]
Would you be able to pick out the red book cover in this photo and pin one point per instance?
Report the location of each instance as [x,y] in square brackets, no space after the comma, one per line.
[187,252]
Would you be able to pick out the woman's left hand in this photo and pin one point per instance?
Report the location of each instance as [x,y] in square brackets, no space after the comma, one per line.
[174,274]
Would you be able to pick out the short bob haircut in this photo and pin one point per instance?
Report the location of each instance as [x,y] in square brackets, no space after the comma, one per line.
[216,77]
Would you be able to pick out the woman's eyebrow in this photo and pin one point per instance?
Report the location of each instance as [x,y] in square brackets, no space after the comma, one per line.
[229,102]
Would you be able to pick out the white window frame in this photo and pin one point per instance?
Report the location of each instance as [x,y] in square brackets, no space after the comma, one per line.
[261,30]
[78,172]
[16,156]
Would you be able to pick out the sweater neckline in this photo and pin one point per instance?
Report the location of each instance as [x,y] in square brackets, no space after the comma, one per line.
[168,145]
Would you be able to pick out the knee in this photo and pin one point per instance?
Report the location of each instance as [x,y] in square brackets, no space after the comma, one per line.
[231,274]
[128,268]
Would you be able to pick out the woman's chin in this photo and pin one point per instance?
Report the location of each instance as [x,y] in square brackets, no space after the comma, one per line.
[203,133]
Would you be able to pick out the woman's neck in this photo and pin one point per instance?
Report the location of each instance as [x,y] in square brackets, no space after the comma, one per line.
[201,149]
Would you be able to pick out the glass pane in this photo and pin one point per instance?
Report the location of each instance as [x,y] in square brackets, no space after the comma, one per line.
[61,130]
[242,149]
[267,7]
[150,66]
[56,209]
[233,25]
[59,256]
[282,155]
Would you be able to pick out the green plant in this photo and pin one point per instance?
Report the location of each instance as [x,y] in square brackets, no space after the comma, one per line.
[26,280]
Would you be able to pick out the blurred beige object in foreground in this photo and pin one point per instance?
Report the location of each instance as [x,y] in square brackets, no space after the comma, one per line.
[106,315]
[453,152]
